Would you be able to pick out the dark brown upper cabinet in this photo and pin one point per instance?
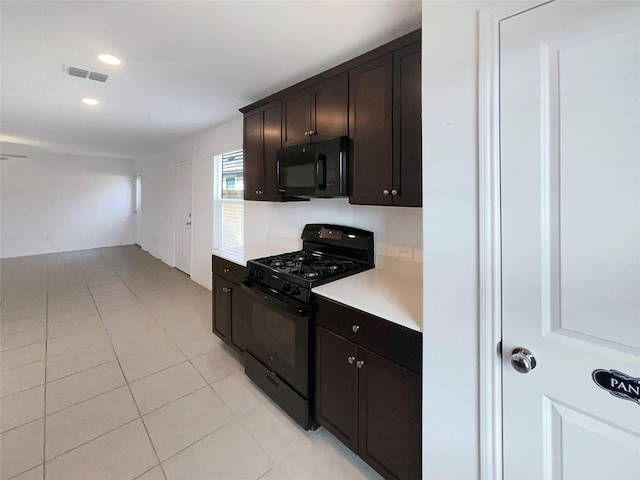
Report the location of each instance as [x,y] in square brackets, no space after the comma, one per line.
[375,99]
[385,125]
[316,113]
[262,139]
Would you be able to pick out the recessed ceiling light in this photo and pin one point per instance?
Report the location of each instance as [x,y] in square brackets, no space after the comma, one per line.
[90,101]
[109,59]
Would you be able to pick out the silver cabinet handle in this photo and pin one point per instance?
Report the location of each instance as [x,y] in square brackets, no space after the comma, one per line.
[360,363]
[385,192]
[226,270]
[355,328]
[226,289]
[351,360]
[394,192]
[522,360]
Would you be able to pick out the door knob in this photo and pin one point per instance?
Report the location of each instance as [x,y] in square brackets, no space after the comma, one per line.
[522,360]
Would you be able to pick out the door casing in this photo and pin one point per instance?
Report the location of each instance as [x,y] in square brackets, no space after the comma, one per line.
[489,281]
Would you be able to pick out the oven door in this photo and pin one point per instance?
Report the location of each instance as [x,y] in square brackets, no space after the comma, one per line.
[277,334]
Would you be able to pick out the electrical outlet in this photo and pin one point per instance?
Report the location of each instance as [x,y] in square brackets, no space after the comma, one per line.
[402,251]
[405,252]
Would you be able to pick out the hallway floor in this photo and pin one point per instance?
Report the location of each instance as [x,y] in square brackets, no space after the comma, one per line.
[109,370]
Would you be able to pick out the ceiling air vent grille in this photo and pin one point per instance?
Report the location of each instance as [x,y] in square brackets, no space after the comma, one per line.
[81,73]
[98,77]
[78,72]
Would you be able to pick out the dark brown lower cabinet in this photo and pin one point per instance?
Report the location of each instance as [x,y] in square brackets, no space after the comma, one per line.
[371,404]
[228,312]
[228,303]
[390,416]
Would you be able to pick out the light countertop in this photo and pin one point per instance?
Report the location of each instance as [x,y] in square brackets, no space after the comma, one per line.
[388,295]
[380,292]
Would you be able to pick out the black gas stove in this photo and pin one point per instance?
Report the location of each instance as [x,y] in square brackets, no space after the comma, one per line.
[279,330]
[329,252]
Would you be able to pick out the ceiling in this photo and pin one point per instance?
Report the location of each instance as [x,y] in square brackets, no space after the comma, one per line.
[187,65]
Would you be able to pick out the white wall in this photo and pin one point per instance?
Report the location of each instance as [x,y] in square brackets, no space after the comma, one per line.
[390,225]
[156,225]
[451,309]
[57,203]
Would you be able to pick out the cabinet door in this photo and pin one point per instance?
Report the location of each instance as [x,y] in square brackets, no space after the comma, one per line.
[330,108]
[221,308]
[238,319]
[272,142]
[390,417]
[253,155]
[336,387]
[296,118]
[407,126]
[370,124]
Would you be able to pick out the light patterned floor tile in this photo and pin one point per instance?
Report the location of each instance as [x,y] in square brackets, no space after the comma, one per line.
[76,341]
[21,408]
[82,386]
[228,453]
[22,378]
[79,360]
[33,474]
[322,457]
[238,393]
[278,434]
[127,343]
[274,474]
[73,325]
[186,420]
[22,356]
[154,474]
[129,455]
[166,386]
[146,362]
[21,449]
[216,365]
[198,344]
[85,421]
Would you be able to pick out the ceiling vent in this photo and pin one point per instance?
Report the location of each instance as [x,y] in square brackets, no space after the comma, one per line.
[98,77]
[81,73]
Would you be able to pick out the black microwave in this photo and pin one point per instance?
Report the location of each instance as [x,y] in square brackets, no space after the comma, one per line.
[315,169]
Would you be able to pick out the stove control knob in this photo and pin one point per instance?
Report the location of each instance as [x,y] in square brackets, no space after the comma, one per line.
[252,272]
[295,290]
[286,287]
[259,274]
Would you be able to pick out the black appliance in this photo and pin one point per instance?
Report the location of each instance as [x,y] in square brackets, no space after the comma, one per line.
[279,332]
[314,169]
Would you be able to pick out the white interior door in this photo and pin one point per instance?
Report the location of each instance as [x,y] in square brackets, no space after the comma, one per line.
[182,209]
[570,196]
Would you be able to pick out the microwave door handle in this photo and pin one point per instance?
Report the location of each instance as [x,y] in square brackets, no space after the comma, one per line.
[321,171]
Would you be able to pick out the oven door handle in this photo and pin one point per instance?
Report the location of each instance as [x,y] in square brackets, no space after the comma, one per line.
[273,299]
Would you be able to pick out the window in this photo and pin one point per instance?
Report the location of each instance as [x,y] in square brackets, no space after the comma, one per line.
[228,200]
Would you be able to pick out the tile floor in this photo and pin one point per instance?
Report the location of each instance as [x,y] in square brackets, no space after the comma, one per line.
[109,370]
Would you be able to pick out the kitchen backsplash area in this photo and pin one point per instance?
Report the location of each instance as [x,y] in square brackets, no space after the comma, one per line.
[397,231]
